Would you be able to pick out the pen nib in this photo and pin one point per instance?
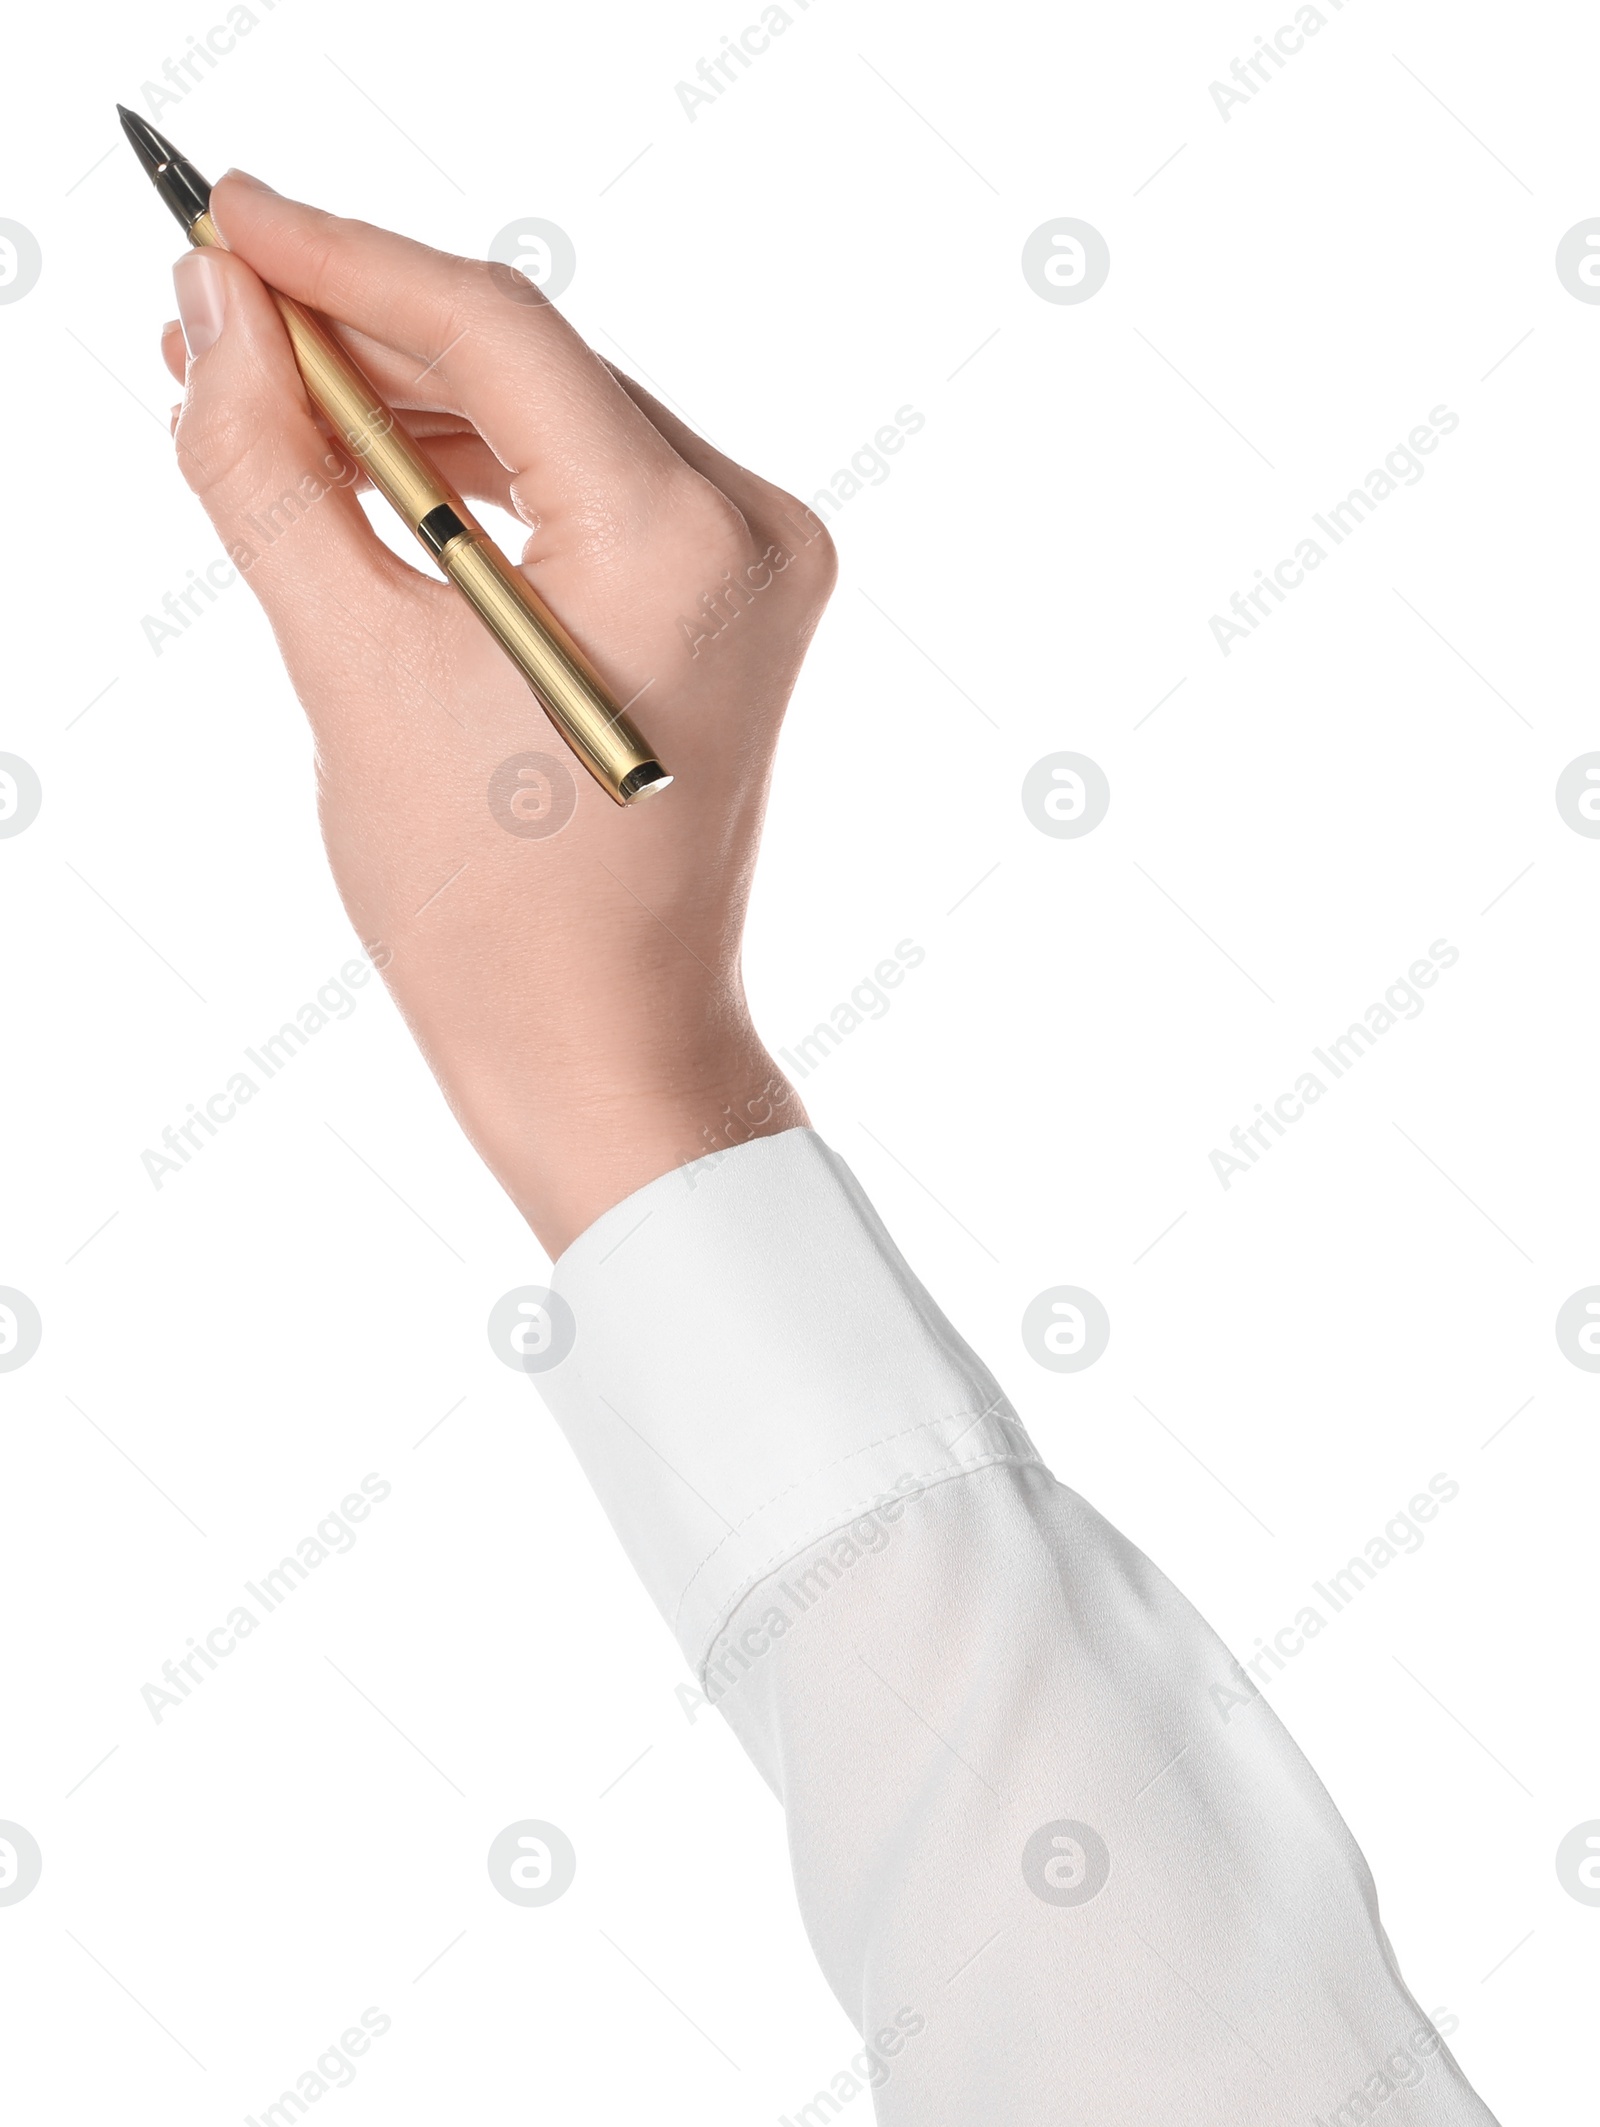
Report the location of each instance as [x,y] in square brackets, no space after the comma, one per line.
[173,175]
[153,149]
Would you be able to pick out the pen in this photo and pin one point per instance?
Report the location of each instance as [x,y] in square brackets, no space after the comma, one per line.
[567,685]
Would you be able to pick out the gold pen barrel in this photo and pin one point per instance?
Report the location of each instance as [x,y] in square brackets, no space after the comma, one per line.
[552,664]
[569,689]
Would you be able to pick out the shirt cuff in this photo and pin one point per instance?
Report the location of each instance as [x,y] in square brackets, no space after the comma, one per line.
[753,1366]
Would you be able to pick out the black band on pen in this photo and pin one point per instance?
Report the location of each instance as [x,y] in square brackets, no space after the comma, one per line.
[438,528]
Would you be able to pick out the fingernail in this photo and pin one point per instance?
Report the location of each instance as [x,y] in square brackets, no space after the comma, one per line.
[243,177]
[202,300]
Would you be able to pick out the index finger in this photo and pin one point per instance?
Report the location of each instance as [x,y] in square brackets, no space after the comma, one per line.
[545,403]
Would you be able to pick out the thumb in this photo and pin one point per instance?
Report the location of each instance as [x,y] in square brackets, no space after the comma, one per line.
[279,493]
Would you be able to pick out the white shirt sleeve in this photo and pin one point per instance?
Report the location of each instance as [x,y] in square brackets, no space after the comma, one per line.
[1056,1859]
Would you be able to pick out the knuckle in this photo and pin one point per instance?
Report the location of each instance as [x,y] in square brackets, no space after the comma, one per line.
[818,561]
[219,445]
[814,559]
[477,280]
[708,523]
[323,254]
[460,296]
[624,515]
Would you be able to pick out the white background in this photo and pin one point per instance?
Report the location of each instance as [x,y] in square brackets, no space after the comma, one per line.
[837,237]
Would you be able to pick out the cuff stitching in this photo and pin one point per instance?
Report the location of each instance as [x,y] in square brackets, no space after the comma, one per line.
[991,1409]
[964,1468]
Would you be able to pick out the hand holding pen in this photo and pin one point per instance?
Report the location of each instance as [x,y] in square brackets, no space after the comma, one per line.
[577,992]
[363,425]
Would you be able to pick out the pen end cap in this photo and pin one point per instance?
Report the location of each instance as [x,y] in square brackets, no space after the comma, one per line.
[640,782]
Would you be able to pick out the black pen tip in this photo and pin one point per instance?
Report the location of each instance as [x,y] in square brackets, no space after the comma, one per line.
[151,148]
[174,176]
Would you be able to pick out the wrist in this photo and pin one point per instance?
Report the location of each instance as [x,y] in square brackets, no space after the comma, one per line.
[578,1149]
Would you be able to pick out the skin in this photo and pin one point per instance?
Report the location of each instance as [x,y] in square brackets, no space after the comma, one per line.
[578,997]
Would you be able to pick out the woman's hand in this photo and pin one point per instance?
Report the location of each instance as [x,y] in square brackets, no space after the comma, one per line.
[577,992]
